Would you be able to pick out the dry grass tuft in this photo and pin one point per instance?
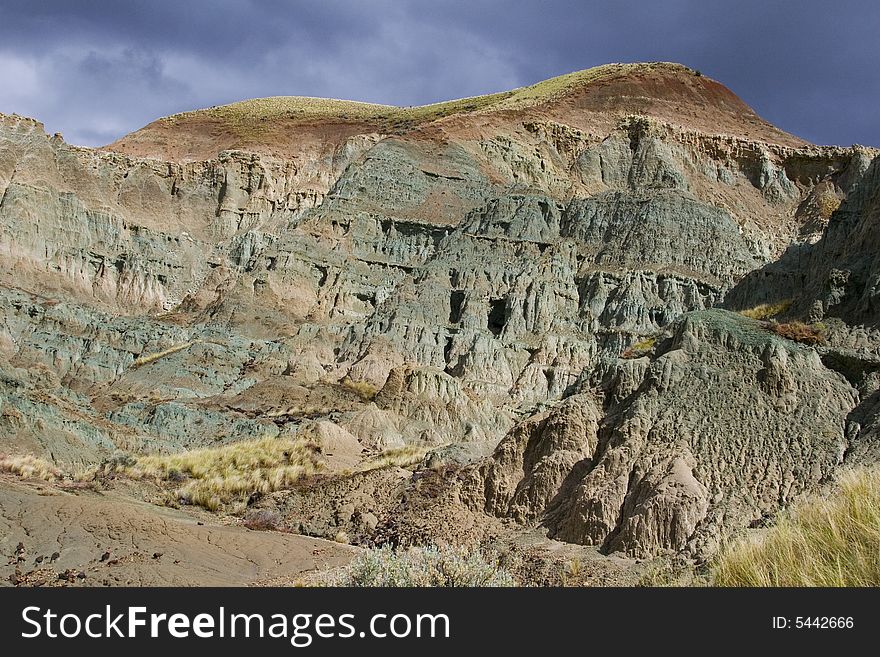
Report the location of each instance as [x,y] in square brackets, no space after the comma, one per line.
[30,467]
[811,334]
[401,457]
[150,358]
[639,349]
[211,478]
[363,389]
[821,542]
[767,310]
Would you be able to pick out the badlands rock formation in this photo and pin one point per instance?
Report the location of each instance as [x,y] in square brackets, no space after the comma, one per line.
[536,287]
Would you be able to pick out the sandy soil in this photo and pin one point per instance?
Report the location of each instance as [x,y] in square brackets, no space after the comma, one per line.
[54,537]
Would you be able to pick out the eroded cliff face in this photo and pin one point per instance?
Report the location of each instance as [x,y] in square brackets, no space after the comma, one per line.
[721,426]
[470,279]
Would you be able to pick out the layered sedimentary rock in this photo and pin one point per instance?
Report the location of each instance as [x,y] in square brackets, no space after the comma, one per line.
[450,277]
[835,274]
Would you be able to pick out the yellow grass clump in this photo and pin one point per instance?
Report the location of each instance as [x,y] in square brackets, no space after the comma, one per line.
[150,358]
[30,467]
[363,389]
[827,203]
[401,457]
[767,310]
[833,541]
[640,348]
[213,477]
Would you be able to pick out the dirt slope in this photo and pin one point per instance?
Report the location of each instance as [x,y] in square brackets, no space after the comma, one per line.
[117,541]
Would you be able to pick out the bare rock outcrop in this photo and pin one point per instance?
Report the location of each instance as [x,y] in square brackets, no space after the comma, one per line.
[533,462]
[727,424]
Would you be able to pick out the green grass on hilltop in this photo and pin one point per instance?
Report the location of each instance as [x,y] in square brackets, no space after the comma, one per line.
[561,85]
[303,108]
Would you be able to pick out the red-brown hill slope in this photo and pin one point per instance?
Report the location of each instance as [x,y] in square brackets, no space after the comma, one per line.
[593,100]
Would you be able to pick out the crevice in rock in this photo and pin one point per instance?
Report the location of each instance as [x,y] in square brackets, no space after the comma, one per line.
[456,302]
[497,316]
[853,368]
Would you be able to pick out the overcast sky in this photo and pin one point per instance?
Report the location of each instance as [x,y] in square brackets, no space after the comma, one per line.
[97,70]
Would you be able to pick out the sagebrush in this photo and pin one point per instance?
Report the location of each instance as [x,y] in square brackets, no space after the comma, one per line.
[429,566]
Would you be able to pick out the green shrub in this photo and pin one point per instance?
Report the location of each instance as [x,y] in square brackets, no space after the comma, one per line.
[820,542]
[423,567]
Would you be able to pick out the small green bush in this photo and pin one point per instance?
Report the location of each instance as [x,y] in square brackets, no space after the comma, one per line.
[423,567]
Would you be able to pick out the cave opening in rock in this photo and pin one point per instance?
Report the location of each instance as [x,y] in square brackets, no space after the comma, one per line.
[497,315]
[456,302]
[323,271]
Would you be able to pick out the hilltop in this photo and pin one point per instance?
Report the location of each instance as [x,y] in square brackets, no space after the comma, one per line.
[592,100]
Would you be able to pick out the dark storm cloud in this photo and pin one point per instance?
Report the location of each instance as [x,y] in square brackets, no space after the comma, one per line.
[96,70]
